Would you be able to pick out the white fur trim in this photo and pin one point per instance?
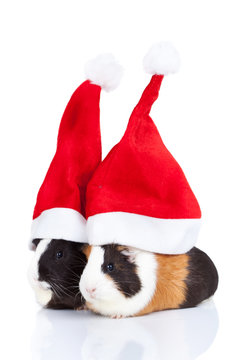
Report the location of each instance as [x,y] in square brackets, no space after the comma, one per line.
[165,236]
[162,59]
[104,71]
[109,300]
[59,223]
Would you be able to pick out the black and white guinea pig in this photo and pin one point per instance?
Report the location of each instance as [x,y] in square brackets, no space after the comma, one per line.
[55,271]
[119,281]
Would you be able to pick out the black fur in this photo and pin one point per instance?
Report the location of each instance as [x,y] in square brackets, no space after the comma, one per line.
[124,272]
[63,274]
[36,241]
[202,280]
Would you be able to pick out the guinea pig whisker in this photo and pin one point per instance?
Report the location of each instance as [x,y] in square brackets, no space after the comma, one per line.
[65,282]
[65,289]
[73,287]
[82,300]
[73,272]
[62,280]
[77,256]
[78,293]
[78,260]
[70,291]
[59,291]
[64,292]
[56,292]
[56,289]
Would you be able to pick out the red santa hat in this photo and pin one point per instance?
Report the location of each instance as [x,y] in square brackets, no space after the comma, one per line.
[60,207]
[139,195]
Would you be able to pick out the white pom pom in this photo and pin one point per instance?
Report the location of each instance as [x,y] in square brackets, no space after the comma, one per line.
[162,59]
[104,71]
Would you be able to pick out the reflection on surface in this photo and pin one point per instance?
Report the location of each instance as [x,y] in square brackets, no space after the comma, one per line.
[174,334]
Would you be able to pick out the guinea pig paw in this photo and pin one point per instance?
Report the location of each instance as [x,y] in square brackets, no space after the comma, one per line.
[82,307]
[79,308]
[117,316]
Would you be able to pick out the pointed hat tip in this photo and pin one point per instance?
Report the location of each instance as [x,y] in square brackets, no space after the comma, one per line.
[162,59]
[104,71]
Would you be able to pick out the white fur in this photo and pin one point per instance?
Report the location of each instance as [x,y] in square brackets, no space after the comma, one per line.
[108,299]
[162,59]
[166,236]
[104,71]
[42,289]
[59,223]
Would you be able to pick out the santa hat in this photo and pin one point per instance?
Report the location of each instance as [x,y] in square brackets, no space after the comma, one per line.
[139,195]
[60,208]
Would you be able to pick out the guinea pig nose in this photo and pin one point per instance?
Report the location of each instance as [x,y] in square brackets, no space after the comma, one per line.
[91,290]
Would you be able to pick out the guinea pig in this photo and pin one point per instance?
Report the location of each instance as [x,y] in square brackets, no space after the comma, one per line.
[121,281]
[55,271]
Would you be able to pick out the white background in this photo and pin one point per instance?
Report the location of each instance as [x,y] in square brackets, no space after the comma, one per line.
[44,45]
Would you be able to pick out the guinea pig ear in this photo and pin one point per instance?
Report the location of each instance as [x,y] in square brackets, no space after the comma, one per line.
[130,252]
[35,242]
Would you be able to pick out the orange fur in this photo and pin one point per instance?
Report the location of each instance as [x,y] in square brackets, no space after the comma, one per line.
[171,289]
[87,250]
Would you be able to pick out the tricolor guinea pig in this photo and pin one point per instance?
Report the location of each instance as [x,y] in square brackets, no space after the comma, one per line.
[55,271]
[120,281]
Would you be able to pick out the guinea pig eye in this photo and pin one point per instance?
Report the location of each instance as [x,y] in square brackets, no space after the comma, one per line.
[110,267]
[59,254]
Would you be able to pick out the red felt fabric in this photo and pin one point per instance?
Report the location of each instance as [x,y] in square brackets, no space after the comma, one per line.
[78,153]
[139,175]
